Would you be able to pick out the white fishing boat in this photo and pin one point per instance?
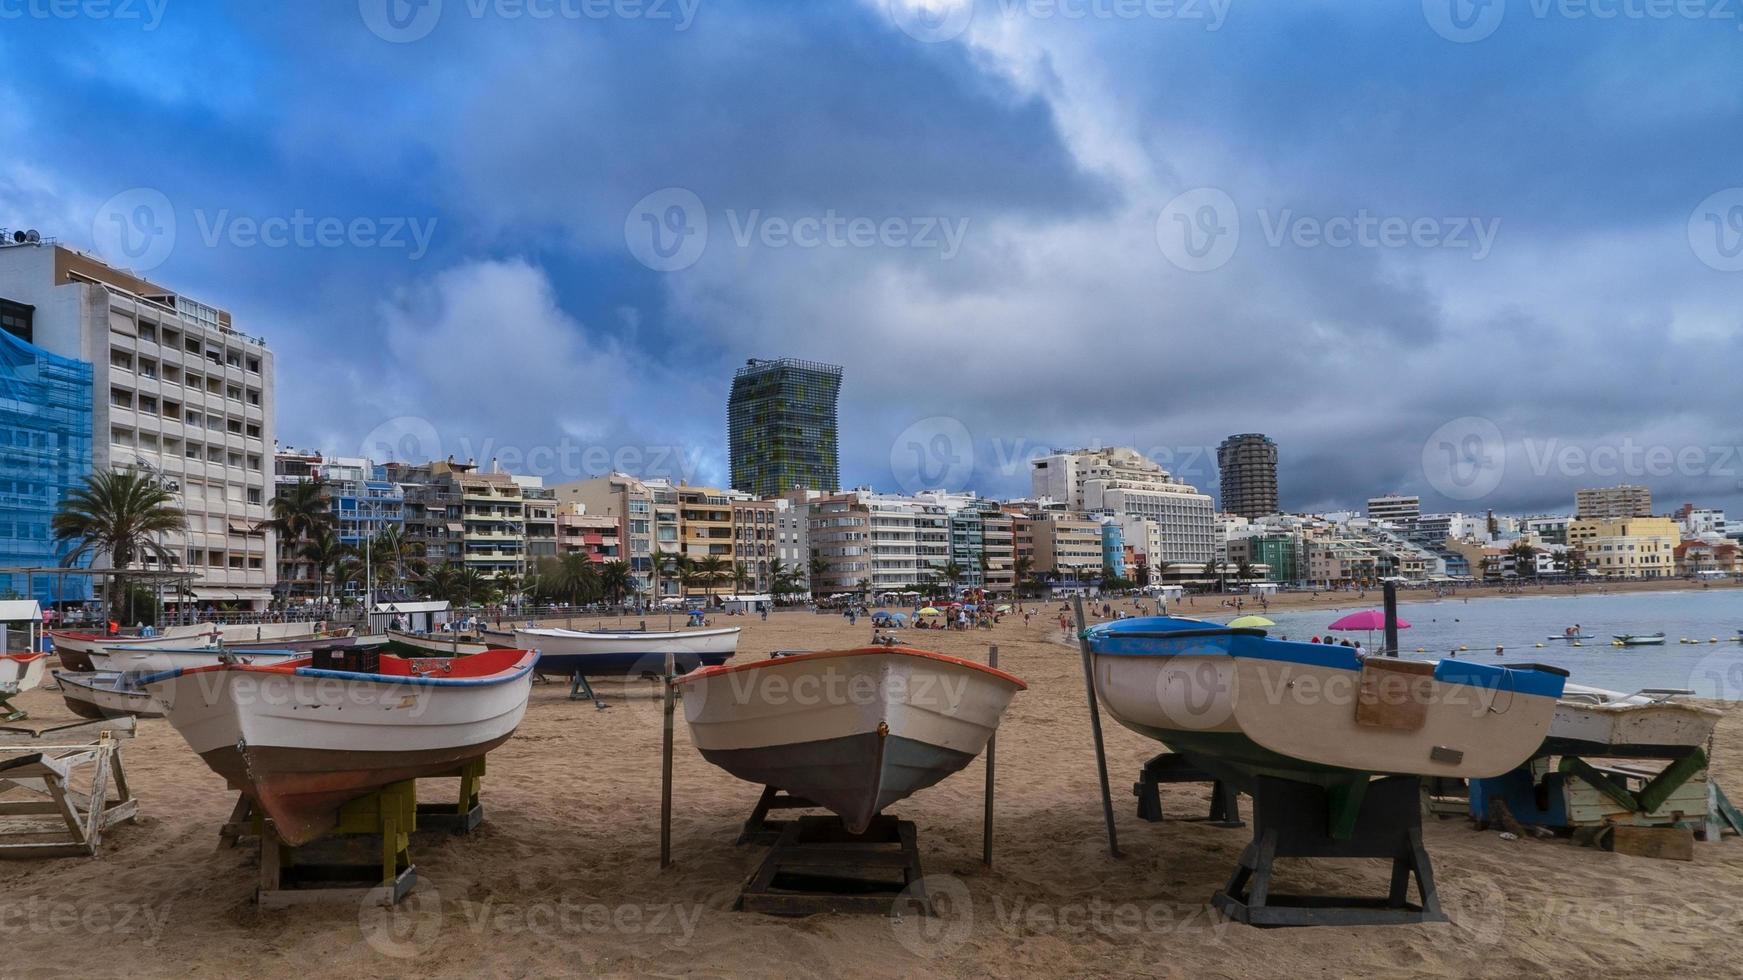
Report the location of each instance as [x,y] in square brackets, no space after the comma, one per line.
[131,659]
[105,694]
[75,648]
[19,672]
[438,644]
[302,740]
[851,730]
[595,653]
[1241,705]
[1655,723]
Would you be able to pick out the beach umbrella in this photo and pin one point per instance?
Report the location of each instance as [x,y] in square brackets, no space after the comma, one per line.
[930,611]
[1251,621]
[1002,607]
[1366,621]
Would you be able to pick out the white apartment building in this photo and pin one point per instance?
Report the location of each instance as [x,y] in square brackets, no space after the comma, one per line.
[1119,482]
[1395,508]
[179,393]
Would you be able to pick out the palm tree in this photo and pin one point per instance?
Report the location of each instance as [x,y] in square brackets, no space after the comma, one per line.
[324,550]
[576,578]
[121,514]
[952,573]
[615,579]
[1524,556]
[1244,571]
[740,577]
[711,570]
[817,567]
[471,588]
[298,510]
[346,572]
[1021,568]
[387,553]
[674,562]
[1213,569]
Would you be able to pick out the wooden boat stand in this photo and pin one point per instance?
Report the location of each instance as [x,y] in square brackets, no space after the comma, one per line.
[461,817]
[63,820]
[579,689]
[817,866]
[328,869]
[1292,819]
[1225,800]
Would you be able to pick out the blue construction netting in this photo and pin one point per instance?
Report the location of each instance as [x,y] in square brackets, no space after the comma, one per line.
[45,451]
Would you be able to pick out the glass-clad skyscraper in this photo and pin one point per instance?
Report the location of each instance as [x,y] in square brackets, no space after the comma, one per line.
[45,451]
[781,427]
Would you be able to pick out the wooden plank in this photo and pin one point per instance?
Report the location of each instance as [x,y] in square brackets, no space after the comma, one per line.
[1726,811]
[1394,694]
[1604,784]
[1659,788]
[1667,843]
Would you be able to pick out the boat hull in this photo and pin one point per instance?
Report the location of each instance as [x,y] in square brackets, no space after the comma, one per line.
[1243,706]
[301,742]
[20,672]
[852,731]
[564,653]
[105,695]
[432,644]
[75,649]
[146,660]
[1615,725]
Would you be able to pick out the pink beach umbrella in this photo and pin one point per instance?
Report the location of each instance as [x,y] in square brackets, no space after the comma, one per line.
[1368,620]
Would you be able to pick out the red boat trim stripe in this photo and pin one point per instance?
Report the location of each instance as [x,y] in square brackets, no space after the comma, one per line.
[856,652]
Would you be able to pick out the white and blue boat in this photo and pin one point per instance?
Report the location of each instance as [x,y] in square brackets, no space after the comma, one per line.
[1240,705]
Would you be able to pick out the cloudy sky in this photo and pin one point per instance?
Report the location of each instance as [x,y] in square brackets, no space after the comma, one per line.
[1487,252]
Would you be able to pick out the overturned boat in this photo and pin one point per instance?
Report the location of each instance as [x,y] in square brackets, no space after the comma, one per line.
[1655,723]
[303,738]
[1241,706]
[850,730]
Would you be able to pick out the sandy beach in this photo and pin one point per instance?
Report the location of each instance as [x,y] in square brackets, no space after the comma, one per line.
[563,876]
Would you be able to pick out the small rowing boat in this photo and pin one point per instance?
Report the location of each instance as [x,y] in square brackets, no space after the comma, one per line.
[301,740]
[1240,705]
[851,730]
[19,672]
[1655,723]
[75,648]
[105,694]
[600,653]
[137,659]
[1640,639]
[438,644]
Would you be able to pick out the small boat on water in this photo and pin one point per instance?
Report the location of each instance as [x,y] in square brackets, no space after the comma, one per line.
[1655,723]
[1240,705]
[1640,639]
[851,730]
[282,734]
[105,694]
[598,653]
[441,644]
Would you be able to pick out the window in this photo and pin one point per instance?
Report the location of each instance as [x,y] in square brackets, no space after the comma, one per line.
[253,430]
[120,398]
[148,331]
[254,495]
[254,364]
[214,386]
[234,427]
[147,368]
[192,418]
[148,404]
[172,374]
[195,380]
[121,359]
[171,337]
[194,450]
[254,396]
[191,345]
[172,410]
[233,392]
[232,359]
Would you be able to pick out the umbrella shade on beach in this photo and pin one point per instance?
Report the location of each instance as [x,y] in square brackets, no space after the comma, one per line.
[930,611]
[1367,620]
[1251,621]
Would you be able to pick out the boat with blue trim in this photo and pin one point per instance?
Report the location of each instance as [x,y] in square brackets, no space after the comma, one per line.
[1241,705]
[304,737]
[605,653]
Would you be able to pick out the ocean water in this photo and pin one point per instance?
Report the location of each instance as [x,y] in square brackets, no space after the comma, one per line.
[1519,623]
